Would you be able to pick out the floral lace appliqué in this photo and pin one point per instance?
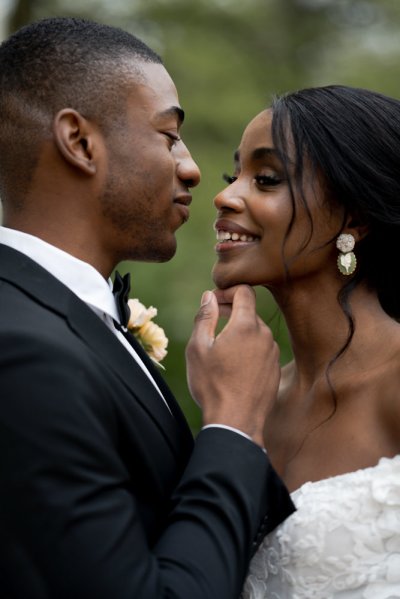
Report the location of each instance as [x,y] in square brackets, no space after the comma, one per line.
[343,542]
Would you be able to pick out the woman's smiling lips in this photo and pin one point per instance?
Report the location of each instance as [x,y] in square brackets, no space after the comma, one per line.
[231,236]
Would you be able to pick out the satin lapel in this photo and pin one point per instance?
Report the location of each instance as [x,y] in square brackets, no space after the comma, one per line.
[155,373]
[25,274]
[110,350]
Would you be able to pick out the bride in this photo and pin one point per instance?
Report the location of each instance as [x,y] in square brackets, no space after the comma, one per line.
[312,213]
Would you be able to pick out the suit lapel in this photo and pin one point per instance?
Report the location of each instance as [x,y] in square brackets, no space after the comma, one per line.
[31,278]
[153,369]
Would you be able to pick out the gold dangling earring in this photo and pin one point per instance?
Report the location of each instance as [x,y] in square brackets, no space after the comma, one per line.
[347,260]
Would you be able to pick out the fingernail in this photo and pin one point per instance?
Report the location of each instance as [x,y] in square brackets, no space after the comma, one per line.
[205,298]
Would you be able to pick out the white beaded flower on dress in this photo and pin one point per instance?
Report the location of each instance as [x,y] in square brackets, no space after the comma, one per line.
[343,542]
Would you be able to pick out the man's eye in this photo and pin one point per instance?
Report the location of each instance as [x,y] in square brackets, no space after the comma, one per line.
[172,136]
[229,178]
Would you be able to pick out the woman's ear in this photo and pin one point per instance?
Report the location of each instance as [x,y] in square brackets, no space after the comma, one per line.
[74,138]
[356,227]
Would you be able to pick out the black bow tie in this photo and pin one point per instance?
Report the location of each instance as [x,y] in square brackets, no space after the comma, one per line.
[121,289]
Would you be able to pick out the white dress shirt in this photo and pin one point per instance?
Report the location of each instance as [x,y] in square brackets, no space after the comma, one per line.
[86,282]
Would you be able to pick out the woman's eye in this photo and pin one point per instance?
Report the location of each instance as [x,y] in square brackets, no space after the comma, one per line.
[262,180]
[267,180]
[229,178]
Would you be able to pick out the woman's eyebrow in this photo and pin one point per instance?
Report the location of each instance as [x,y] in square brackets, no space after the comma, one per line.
[257,154]
[260,153]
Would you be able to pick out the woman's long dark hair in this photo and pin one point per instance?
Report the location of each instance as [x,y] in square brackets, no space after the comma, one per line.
[350,138]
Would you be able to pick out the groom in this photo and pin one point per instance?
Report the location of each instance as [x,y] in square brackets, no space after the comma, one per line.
[103,492]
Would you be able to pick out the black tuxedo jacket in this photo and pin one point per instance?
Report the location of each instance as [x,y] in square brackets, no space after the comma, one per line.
[103,493]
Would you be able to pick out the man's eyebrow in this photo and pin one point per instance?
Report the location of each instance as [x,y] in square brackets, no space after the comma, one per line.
[174,111]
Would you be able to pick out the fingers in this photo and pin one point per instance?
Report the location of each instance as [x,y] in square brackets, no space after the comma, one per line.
[243,306]
[237,303]
[242,296]
[225,310]
[206,319]
[225,296]
[233,376]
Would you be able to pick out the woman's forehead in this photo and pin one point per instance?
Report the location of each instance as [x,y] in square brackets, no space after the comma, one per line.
[257,140]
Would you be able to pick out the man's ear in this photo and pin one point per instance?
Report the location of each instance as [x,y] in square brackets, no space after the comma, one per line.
[74,138]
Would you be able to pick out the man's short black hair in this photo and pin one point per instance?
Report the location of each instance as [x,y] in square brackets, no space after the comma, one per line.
[61,63]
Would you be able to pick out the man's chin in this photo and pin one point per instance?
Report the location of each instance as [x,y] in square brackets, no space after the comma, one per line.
[167,253]
[161,254]
[165,257]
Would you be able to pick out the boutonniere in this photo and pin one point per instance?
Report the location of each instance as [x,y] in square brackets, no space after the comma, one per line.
[150,336]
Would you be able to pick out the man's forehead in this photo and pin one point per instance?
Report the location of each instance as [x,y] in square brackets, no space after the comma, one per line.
[156,86]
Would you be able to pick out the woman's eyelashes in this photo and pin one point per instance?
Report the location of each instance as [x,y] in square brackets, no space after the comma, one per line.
[261,180]
[267,180]
[229,178]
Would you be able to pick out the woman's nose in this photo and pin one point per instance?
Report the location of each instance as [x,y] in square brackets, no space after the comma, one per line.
[229,198]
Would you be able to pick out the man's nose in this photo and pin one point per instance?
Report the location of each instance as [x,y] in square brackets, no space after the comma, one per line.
[186,167]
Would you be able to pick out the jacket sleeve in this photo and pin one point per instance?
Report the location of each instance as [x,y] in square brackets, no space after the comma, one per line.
[69,523]
[227,501]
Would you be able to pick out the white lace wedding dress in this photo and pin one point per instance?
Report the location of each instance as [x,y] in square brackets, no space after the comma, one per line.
[343,542]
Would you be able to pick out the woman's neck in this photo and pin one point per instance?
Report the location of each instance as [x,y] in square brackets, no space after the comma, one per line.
[319,329]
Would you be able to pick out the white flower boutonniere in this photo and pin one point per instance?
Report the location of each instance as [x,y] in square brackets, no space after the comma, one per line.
[148,333]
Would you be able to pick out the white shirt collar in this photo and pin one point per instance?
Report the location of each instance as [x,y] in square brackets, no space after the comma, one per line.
[80,277]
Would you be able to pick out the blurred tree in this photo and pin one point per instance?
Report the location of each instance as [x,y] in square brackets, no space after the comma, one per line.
[228,58]
[23,12]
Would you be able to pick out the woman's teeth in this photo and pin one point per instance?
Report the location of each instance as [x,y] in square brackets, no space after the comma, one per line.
[227,236]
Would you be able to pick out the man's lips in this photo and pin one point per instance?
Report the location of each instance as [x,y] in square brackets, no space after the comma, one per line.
[183,198]
[183,201]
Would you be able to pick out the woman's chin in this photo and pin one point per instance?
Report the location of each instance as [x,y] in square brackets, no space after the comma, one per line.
[224,278]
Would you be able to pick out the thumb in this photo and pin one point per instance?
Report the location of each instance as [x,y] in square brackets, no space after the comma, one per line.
[206,319]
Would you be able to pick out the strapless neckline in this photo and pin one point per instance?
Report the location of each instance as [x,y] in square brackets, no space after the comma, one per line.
[340,476]
[343,541]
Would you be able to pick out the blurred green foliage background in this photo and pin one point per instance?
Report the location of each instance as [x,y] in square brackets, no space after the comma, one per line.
[228,58]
